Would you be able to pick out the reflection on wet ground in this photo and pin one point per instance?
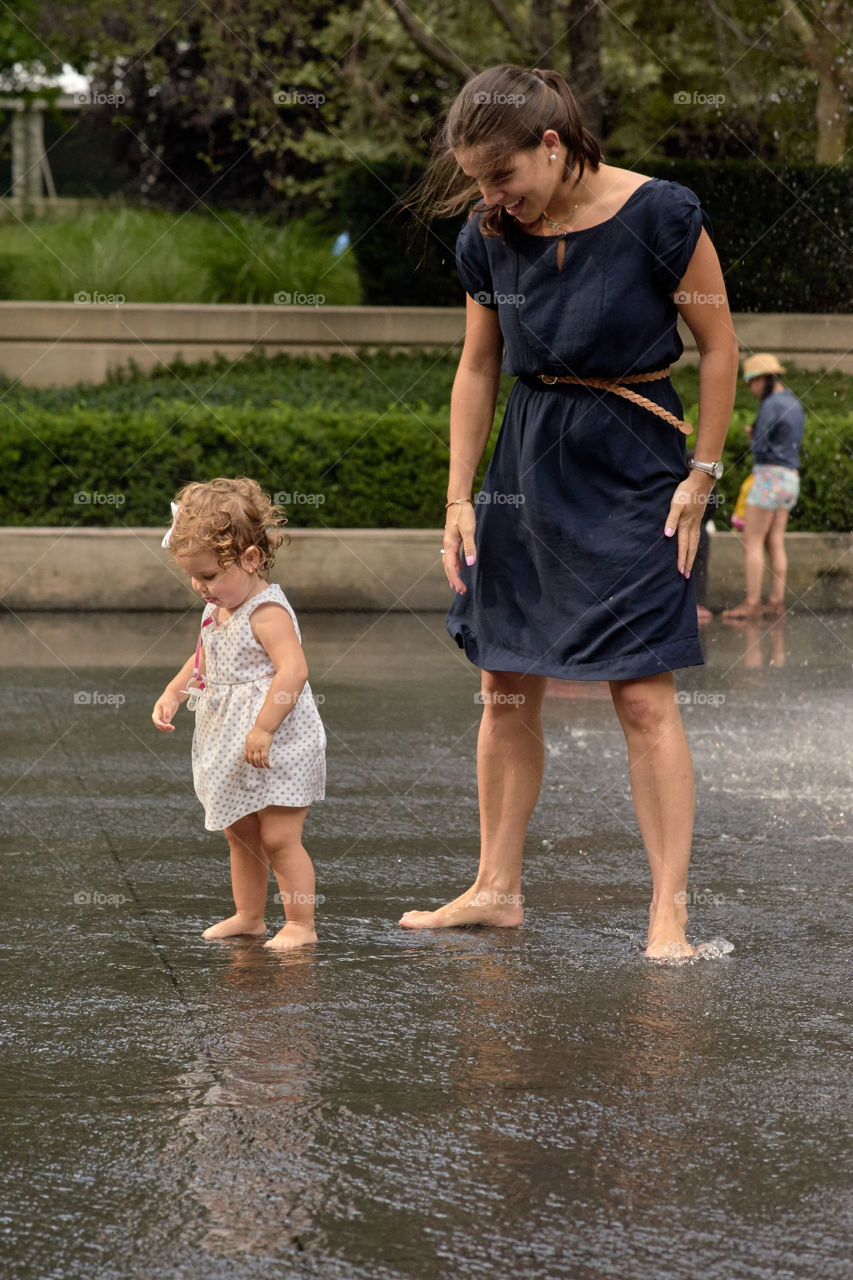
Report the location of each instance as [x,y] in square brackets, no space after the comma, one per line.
[539,1102]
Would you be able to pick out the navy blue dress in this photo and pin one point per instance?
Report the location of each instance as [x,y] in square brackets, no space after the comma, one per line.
[574,577]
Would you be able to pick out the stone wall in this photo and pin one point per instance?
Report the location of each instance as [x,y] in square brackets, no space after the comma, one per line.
[61,343]
[330,569]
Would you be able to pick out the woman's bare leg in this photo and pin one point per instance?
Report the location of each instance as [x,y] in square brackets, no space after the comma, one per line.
[249,879]
[510,762]
[662,788]
[775,543]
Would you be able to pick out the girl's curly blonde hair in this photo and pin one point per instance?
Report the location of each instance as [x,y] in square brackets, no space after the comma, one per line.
[227,517]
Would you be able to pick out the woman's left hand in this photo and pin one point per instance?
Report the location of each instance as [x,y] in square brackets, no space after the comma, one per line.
[689,503]
[257,748]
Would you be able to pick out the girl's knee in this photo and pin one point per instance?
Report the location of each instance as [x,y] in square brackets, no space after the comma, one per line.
[244,830]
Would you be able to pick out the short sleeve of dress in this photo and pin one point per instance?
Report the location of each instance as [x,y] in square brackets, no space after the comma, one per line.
[679,219]
[472,265]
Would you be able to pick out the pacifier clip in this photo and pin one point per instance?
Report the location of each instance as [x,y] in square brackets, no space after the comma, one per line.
[195,685]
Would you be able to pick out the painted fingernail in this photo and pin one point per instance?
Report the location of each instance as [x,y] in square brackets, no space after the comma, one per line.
[687,574]
[669,532]
[469,559]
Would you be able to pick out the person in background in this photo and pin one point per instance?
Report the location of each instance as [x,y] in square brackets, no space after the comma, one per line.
[776,437]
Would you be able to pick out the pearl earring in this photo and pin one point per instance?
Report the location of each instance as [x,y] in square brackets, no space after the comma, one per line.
[552,157]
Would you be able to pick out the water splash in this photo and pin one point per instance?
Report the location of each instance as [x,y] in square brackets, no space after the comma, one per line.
[714,949]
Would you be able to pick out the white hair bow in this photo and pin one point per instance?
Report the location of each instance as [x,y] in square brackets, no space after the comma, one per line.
[167,536]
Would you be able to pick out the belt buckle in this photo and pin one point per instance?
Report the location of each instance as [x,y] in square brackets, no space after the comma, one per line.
[548,378]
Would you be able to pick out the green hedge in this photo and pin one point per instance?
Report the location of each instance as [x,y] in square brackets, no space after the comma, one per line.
[782,232]
[364,441]
[341,468]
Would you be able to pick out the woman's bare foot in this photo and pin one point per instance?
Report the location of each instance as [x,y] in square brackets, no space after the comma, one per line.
[253,926]
[703,615]
[776,607]
[292,935]
[477,906]
[669,951]
[667,940]
[746,609]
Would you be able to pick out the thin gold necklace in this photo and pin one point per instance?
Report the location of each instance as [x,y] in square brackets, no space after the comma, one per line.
[557,225]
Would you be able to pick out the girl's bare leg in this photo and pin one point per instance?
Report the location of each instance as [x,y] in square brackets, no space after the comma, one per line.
[662,788]
[249,878]
[778,558]
[510,761]
[281,836]
[757,522]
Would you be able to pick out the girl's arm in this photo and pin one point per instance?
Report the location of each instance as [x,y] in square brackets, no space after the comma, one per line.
[272,626]
[172,697]
[472,413]
[710,323]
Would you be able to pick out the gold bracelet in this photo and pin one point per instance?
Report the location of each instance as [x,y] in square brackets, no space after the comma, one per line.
[453,502]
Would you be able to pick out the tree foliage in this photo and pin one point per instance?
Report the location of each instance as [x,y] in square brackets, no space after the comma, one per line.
[265,104]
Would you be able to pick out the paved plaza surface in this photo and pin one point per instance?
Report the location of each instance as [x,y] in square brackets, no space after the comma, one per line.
[539,1102]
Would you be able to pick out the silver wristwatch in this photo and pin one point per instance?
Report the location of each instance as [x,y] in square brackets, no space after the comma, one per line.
[714,469]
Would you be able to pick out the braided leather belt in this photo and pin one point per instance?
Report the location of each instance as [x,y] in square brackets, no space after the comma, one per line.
[617,386]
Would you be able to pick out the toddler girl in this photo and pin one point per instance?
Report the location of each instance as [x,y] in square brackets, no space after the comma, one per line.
[259,747]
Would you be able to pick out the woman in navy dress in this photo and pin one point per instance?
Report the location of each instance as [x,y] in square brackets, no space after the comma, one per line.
[574,559]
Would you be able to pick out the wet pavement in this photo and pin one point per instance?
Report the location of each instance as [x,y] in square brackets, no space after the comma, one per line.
[535,1103]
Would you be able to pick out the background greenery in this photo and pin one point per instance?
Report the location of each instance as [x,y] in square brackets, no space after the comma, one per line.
[200,120]
[157,255]
[801,261]
[783,234]
[363,441]
[328,111]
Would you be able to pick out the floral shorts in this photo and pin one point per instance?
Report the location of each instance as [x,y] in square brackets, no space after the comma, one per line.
[774,488]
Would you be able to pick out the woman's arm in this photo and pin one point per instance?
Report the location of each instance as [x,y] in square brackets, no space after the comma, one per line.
[472,414]
[703,305]
[272,626]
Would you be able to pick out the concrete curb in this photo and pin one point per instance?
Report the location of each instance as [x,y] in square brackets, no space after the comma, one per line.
[63,343]
[374,570]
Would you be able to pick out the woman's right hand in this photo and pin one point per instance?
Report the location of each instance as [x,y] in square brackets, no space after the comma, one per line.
[459,540]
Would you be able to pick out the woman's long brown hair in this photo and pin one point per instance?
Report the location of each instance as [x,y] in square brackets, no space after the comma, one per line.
[500,111]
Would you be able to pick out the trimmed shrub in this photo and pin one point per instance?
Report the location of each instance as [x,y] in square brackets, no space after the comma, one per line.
[343,437]
[780,232]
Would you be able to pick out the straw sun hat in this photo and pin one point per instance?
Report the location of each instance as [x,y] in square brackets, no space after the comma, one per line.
[758,365]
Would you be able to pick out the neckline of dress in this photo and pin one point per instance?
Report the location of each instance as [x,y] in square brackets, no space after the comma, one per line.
[531,235]
[224,623]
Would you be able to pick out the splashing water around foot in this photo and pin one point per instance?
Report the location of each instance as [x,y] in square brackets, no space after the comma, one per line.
[714,949]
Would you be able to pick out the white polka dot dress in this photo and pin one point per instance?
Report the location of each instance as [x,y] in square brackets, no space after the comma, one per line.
[238,672]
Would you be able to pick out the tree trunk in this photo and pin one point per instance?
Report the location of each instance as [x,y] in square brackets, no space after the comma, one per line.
[831,115]
[542,31]
[584,23]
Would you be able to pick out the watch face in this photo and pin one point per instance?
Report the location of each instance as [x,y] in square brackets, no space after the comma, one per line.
[714,469]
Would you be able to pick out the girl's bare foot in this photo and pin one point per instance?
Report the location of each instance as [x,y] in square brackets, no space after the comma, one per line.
[703,615]
[292,935]
[477,906]
[776,607]
[253,926]
[746,609]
